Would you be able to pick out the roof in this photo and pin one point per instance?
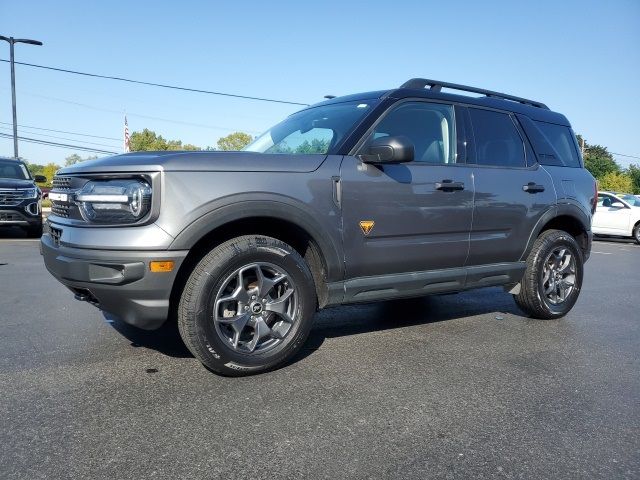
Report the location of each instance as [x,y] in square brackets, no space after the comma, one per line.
[533,109]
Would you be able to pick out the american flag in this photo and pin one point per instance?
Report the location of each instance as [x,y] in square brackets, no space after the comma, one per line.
[127,148]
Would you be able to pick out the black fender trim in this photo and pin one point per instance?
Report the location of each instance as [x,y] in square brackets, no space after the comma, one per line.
[568,208]
[283,208]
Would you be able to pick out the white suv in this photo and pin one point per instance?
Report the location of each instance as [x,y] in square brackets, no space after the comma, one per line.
[617,214]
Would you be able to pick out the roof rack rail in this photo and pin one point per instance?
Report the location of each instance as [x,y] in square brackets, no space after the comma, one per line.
[437,85]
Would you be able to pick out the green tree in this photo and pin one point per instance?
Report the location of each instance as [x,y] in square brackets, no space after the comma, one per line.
[49,171]
[634,173]
[599,161]
[315,146]
[234,141]
[615,182]
[35,169]
[75,158]
[148,140]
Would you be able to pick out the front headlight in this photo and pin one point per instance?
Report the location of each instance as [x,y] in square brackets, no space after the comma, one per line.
[30,193]
[114,201]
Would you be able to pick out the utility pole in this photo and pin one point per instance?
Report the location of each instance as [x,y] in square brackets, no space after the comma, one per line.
[12,41]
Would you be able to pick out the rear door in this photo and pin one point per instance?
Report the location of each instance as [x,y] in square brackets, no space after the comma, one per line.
[411,217]
[510,196]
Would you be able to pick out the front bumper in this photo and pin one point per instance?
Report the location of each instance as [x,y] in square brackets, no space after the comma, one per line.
[116,281]
[26,214]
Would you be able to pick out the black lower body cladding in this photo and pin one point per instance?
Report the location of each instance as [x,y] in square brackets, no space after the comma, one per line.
[118,282]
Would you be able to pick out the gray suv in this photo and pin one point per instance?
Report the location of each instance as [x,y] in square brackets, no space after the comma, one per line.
[361,198]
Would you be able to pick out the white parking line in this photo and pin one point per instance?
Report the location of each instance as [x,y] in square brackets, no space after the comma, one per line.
[603,253]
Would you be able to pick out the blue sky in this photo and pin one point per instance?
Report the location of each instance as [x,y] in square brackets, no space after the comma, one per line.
[581,58]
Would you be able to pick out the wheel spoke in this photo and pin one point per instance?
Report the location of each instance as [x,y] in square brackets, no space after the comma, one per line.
[260,330]
[279,306]
[549,287]
[265,285]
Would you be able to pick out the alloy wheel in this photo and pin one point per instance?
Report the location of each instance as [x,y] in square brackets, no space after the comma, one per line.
[559,275]
[255,308]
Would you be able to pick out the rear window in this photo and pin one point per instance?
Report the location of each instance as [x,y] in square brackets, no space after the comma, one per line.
[562,140]
[498,142]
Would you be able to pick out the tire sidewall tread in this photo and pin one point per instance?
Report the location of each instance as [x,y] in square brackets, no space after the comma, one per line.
[194,311]
[530,297]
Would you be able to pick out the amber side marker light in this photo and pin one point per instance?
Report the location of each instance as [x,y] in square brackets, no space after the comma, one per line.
[161,266]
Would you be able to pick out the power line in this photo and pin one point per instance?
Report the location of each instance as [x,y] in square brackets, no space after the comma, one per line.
[161,85]
[63,131]
[623,155]
[56,144]
[66,138]
[139,115]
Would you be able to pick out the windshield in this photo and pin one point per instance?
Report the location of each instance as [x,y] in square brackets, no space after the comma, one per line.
[13,169]
[314,130]
[631,200]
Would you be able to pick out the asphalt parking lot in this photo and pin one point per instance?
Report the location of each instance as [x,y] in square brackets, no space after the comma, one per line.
[457,386]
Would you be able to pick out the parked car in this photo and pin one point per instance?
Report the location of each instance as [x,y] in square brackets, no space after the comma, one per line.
[20,197]
[633,200]
[617,215]
[367,197]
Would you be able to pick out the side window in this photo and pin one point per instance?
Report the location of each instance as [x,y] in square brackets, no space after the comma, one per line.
[561,139]
[497,140]
[429,126]
[604,200]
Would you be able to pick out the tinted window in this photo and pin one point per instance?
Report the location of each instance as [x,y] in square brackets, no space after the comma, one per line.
[13,169]
[497,140]
[561,139]
[429,126]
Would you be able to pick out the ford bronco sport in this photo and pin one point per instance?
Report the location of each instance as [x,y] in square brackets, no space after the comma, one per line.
[366,197]
[20,197]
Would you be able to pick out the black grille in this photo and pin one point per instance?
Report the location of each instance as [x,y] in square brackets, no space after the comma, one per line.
[60,209]
[10,217]
[55,233]
[10,198]
[61,183]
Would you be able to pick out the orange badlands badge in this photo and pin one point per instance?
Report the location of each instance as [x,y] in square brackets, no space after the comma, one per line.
[367,226]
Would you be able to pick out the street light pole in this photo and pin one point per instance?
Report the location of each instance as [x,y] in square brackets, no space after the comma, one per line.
[12,41]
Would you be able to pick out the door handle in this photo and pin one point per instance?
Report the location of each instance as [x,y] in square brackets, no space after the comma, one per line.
[449,185]
[533,188]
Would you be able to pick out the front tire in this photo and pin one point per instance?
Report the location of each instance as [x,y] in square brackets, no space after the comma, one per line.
[636,233]
[553,277]
[248,306]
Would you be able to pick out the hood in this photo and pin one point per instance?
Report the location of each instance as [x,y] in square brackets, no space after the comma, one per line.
[15,183]
[199,161]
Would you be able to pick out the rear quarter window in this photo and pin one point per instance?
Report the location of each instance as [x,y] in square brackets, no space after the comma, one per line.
[562,140]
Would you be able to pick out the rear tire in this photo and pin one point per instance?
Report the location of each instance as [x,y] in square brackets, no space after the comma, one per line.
[553,277]
[248,306]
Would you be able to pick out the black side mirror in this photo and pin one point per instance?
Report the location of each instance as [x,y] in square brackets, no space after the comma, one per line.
[40,178]
[396,149]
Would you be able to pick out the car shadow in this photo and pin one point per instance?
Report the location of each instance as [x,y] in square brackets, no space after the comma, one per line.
[347,320]
[351,320]
[12,232]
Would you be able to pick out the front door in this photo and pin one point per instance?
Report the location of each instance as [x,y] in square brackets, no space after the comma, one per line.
[411,217]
